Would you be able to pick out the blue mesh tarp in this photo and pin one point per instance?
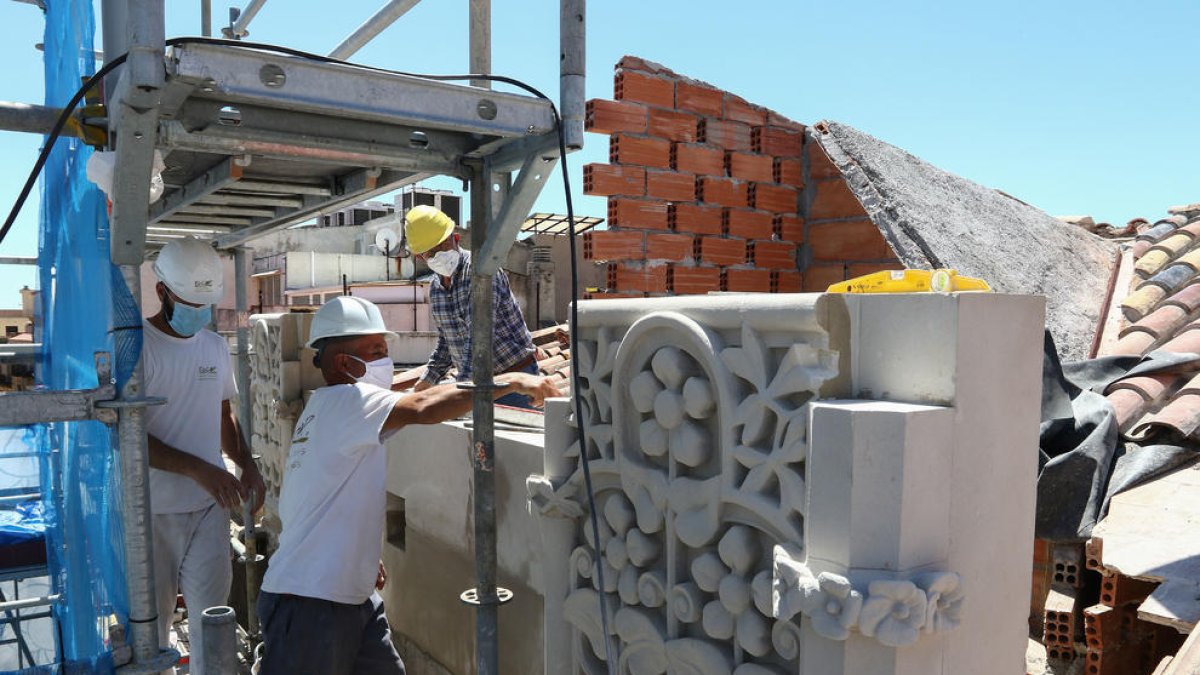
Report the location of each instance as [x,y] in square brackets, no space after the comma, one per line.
[78,295]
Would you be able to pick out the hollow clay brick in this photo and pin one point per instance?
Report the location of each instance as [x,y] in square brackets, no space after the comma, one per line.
[700,159]
[725,134]
[786,281]
[640,277]
[749,166]
[817,278]
[671,185]
[614,245]
[722,191]
[777,141]
[774,198]
[640,151]
[746,280]
[789,228]
[788,171]
[673,125]
[847,240]
[721,251]
[695,218]
[606,117]
[698,99]
[749,223]
[648,214]
[683,280]
[632,85]
[772,254]
[670,247]
[738,109]
[608,180]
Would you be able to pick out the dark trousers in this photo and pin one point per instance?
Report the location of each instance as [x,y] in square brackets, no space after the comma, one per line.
[308,636]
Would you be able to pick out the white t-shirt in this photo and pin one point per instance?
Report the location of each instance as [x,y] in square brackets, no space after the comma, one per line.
[195,375]
[333,500]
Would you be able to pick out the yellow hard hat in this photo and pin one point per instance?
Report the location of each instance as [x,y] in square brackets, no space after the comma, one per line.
[426,227]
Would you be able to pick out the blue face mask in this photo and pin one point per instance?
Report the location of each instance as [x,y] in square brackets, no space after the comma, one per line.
[187,320]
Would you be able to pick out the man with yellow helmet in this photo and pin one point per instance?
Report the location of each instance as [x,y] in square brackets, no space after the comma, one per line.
[431,238]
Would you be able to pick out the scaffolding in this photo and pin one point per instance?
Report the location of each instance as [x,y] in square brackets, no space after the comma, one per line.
[257,139]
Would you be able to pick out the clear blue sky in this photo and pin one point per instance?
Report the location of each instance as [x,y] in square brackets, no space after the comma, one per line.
[1077,107]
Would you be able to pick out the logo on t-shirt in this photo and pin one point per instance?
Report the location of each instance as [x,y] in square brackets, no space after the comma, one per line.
[207,373]
[301,435]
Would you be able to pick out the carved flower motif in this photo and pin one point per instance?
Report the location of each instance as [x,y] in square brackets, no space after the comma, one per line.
[945,598]
[831,604]
[894,612]
[678,404]
[596,361]
[742,606]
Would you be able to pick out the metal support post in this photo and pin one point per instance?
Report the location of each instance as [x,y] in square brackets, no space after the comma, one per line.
[134,456]
[34,119]
[239,29]
[487,646]
[220,641]
[572,62]
[246,423]
[206,18]
[373,26]
[481,41]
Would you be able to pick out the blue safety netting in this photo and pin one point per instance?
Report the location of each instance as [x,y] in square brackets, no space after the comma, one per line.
[82,511]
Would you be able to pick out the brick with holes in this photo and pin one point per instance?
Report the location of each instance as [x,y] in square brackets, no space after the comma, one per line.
[725,134]
[614,245]
[640,151]
[721,251]
[772,254]
[631,85]
[670,185]
[706,160]
[670,247]
[625,277]
[749,166]
[683,280]
[786,281]
[608,180]
[673,125]
[722,191]
[608,117]
[695,218]
[749,223]
[628,212]
[698,98]
[789,227]
[777,141]
[746,280]
[787,171]
[739,109]
[774,198]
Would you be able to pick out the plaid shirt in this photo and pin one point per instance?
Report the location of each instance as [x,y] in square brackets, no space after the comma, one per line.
[511,341]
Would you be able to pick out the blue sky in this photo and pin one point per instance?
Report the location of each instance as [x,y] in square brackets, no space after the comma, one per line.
[1076,107]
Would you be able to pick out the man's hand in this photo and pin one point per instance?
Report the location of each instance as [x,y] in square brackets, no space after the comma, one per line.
[381,577]
[253,485]
[221,484]
[535,387]
[422,385]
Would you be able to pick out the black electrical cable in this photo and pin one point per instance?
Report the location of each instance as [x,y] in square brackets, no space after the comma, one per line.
[593,515]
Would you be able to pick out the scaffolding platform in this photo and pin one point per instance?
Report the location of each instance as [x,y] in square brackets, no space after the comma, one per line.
[255,141]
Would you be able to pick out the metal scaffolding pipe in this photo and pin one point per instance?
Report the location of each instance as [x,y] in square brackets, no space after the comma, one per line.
[134,459]
[487,644]
[219,641]
[373,26]
[206,18]
[246,423]
[13,605]
[572,66]
[17,260]
[238,30]
[481,41]
[34,119]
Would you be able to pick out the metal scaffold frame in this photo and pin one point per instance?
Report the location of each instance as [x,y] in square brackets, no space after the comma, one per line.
[257,139]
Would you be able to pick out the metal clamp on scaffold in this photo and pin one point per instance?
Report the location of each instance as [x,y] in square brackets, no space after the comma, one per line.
[471,597]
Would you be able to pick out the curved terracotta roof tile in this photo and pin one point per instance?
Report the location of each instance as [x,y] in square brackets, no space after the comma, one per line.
[1192,387]
[1134,344]
[1184,342]
[1128,406]
[1160,228]
[1173,244]
[1140,302]
[1192,227]
[1181,416]
[1191,259]
[1149,387]
[1150,263]
[1188,298]
[1161,323]
[1139,248]
[1172,278]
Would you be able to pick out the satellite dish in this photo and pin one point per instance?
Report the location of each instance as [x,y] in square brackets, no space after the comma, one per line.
[387,241]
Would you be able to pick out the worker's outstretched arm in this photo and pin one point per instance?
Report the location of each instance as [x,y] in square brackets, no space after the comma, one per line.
[446,401]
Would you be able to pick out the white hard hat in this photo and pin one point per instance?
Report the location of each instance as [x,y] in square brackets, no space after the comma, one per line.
[346,316]
[192,270]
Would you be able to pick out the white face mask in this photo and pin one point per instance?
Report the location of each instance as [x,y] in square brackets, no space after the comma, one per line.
[378,372]
[444,262]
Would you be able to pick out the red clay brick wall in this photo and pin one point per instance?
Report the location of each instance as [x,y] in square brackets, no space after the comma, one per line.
[707,192]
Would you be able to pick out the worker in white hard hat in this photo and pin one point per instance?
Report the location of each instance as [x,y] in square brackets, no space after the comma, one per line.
[318,609]
[191,492]
[431,237]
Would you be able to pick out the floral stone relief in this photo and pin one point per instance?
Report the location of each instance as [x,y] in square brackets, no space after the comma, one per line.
[696,443]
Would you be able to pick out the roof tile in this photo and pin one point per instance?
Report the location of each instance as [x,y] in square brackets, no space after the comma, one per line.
[1188,298]
[1192,227]
[1174,244]
[1192,387]
[1153,261]
[1141,301]
[1128,406]
[1181,416]
[1139,248]
[1160,228]
[1172,278]
[1134,344]
[1185,342]
[1149,387]
[1161,323]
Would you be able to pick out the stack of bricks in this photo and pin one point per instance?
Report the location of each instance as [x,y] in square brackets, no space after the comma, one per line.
[1062,624]
[704,189]
[1116,640]
[707,192]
